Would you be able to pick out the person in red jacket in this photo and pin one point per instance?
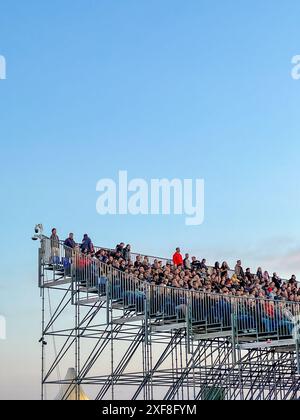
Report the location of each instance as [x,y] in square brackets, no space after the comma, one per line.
[177,258]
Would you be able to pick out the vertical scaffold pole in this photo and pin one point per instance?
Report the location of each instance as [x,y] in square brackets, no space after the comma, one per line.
[189,323]
[297,353]
[42,291]
[234,337]
[109,315]
[108,293]
[112,355]
[42,343]
[146,342]
[77,337]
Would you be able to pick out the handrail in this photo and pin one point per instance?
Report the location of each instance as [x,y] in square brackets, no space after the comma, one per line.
[209,311]
[152,258]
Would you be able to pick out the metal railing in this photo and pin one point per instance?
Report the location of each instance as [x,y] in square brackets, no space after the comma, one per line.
[57,258]
[206,312]
[151,259]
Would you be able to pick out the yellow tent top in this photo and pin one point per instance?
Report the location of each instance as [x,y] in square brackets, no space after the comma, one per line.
[68,391]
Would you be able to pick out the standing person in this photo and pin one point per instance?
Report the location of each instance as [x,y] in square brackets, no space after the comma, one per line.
[70,245]
[86,244]
[248,275]
[120,248]
[127,253]
[277,280]
[195,263]
[259,273]
[203,264]
[177,258]
[54,240]
[224,269]
[217,267]
[187,263]
[293,280]
[239,270]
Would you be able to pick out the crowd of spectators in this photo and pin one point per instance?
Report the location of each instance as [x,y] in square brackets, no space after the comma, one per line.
[188,273]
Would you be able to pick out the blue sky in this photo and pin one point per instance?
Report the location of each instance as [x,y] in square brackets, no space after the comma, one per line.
[195,89]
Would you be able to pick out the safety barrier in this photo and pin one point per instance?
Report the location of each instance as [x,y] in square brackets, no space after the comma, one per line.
[57,259]
[205,312]
[65,251]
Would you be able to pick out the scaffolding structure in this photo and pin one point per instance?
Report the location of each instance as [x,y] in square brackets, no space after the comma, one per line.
[130,340]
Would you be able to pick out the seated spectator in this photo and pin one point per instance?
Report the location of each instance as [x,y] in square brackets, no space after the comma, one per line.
[145,263]
[102,256]
[137,262]
[122,265]
[235,280]
[276,280]
[268,318]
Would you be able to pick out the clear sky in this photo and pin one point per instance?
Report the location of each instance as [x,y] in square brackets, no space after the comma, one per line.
[195,89]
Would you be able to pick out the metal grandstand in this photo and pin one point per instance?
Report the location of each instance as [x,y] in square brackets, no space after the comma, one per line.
[131,340]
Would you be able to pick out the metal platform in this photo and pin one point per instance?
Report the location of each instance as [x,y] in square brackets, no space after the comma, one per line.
[56,283]
[126,337]
[173,326]
[278,344]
